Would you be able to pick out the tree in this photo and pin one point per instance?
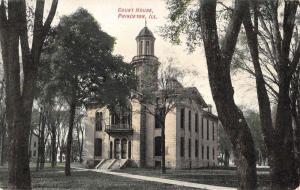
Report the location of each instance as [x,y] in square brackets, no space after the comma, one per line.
[201,24]
[225,147]
[14,39]
[253,119]
[274,61]
[85,69]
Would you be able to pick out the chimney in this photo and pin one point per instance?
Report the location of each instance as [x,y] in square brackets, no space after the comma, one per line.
[209,107]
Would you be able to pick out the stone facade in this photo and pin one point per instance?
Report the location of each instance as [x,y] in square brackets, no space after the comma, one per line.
[190,128]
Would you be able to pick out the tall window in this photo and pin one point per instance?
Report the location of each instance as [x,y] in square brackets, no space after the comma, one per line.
[207,152]
[182,118]
[196,123]
[213,154]
[213,131]
[202,152]
[190,148]
[98,122]
[141,47]
[207,131]
[182,146]
[147,48]
[196,148]
[157,124]
[202,128]
[157,151]
[98,147]
[190,119]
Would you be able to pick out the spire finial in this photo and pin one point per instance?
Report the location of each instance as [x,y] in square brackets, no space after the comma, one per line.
[145,22]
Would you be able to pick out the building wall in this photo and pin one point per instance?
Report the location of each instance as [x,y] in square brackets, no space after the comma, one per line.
[192,161]
[173,132]
[33,147]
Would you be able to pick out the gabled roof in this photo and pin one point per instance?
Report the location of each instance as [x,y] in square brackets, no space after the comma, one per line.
[195,94]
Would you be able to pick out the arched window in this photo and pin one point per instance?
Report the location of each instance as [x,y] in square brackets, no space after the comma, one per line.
[98,121]
[157,146]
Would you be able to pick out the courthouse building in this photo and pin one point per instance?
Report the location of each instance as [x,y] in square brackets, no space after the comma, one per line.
[130,137]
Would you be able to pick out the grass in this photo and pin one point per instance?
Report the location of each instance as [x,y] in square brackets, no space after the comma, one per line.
[219,177]
[55,179]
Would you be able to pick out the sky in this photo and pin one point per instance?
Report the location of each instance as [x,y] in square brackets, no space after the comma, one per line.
[110,15]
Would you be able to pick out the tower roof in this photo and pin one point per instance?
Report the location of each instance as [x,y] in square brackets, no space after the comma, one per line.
[145,32]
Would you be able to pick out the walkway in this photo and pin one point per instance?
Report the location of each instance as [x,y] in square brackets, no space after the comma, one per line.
[160,180]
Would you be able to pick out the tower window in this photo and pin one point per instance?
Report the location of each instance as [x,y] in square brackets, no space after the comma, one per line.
[202,152]
[141,48]
[147,48]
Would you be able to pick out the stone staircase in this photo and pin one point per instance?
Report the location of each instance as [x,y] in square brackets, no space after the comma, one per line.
[111,164]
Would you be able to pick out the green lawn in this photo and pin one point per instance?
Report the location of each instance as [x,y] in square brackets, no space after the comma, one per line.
[219,177]
[55,179]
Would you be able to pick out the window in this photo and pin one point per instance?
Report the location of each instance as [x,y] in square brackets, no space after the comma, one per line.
[98,122]
[190,148]
[207,129]
[196,123]
[207,152]
[190,118]
[157,125]
[182,146]
[196,148]
[147,48]
[213,153]
[98,147]
[34,144]
[157,146]
[141,47]
[202,128]
[182,118]
[213,131]
[34,153]
[202,152]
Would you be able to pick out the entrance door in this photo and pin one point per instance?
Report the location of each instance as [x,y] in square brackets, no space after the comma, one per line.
[117,149]
[124,148]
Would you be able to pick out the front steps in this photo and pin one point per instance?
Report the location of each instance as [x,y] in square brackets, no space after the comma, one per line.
[112,164]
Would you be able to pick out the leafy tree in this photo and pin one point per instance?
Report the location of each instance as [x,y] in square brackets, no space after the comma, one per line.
[272,58]
[84,68]
[198,20]
[14,38]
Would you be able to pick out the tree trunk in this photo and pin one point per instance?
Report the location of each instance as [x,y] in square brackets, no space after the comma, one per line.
[218,64]
[163,146]
[42,142]
[53,146]
[70,136]
[3,145]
